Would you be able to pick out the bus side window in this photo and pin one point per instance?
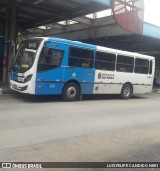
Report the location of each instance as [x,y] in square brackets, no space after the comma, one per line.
[125,64]
[150,67]
[49,59]
[105,61]
[141,66]
[80,57]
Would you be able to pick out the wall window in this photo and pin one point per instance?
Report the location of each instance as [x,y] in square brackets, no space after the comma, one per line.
[50,58]
[125,64]
[79,57]
[141,66]
[105,61]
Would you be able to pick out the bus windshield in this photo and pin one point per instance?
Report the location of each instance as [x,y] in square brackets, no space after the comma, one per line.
[25,56]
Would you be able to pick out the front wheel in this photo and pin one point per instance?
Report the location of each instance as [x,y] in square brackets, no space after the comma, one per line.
[71,92]
[126,91]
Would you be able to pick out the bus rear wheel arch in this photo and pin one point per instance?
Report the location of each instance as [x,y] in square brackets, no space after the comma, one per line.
[71,91]
[126,91]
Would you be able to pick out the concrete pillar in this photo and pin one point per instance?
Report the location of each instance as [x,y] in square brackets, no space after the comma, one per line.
[10,38]
[6,49]
[1,56]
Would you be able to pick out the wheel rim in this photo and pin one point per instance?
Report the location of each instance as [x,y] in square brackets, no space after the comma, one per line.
[127,91]
[71,92]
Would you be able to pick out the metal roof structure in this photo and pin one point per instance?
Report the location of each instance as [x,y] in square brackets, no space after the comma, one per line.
[47,13]
[34,13]
[67,19]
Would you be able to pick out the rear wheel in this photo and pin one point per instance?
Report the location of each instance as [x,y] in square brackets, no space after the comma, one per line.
[126,91]
[71,92]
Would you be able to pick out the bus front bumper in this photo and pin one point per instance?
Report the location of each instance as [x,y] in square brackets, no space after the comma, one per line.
[23,88]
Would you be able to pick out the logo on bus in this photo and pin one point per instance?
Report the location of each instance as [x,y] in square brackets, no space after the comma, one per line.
[74,75]
[105,76]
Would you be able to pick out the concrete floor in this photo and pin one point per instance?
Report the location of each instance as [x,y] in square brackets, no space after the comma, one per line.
[99,128]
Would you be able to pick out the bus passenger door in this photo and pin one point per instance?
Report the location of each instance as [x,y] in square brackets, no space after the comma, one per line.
[49,70]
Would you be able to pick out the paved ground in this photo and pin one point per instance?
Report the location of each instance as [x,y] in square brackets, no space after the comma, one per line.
[103,128]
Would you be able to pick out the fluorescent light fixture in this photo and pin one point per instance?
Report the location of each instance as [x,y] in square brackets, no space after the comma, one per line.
[38,2]
[45,27]
[42,27]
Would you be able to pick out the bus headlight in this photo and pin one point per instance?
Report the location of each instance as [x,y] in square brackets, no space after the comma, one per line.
[28,78]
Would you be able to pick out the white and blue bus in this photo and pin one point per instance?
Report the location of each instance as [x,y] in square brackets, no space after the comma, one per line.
[52,66]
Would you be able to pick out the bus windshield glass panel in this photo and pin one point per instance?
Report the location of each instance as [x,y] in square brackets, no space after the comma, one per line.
[25,56]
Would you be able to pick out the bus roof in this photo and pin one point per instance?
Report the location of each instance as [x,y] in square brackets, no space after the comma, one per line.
[74,43]
[98,48]
[121,52]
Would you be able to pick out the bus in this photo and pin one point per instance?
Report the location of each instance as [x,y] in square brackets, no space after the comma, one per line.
[54,66]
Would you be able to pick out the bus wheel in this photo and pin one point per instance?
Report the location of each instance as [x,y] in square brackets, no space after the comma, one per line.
[126,91]
[71,92]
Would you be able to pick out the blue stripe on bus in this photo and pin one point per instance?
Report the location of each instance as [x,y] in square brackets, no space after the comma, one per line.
[85,76]
[53,81]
